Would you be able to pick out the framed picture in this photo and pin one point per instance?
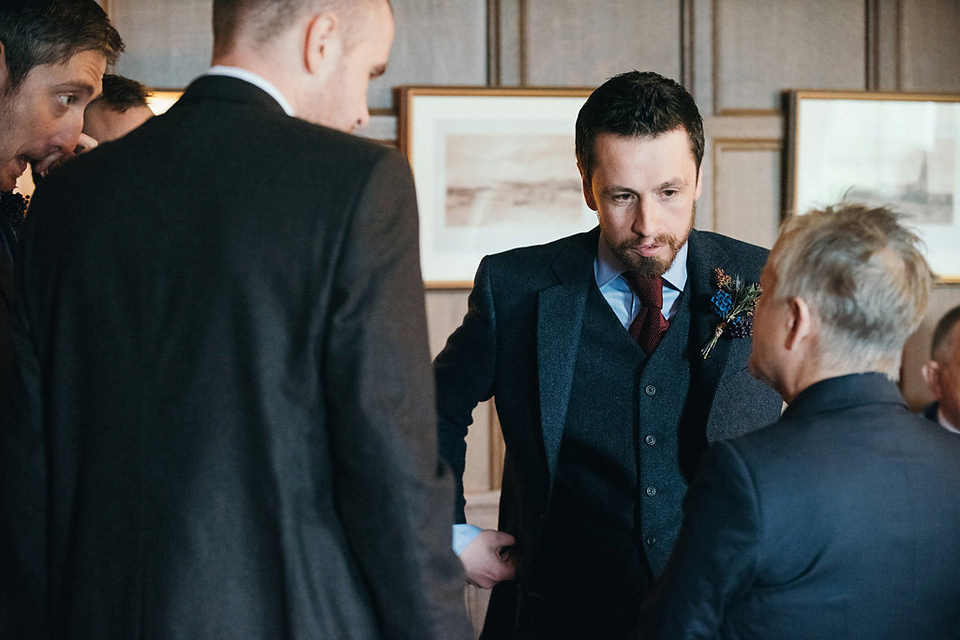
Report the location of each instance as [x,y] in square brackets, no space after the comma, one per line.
[899,150]
[494,168]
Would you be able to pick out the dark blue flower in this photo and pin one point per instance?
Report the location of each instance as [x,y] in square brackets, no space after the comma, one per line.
[721,302]
[740,327]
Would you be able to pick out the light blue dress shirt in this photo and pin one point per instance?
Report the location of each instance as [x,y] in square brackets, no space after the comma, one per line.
[608,270]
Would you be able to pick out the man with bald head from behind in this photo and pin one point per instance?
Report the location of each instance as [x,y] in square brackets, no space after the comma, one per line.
[233,360]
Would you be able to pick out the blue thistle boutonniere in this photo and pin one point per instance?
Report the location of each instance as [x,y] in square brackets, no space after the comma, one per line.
[734,302]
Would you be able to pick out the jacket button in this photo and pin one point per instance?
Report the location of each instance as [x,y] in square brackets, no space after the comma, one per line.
[650,390]
[650,440]
[651,491]
[651,541]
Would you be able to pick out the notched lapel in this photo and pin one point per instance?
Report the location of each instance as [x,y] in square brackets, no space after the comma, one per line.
[705,256]
[559,320]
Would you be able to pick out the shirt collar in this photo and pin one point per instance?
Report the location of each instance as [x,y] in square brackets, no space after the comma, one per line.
[254,79]
[609,266]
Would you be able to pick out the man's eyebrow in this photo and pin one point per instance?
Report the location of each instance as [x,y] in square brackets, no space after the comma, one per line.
[83,87]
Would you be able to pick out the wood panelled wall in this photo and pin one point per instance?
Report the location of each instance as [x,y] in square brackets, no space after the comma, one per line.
[736,56]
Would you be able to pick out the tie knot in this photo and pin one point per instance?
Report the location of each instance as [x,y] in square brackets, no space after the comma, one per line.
[648,288]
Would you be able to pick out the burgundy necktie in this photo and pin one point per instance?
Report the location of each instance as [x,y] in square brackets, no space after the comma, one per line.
[649,325]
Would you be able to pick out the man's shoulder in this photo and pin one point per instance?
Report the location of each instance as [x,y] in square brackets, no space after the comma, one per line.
[731,254]
[533,258]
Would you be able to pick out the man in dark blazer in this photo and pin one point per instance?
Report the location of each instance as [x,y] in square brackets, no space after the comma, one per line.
[602,434]
[842,519]
[52,57]
[227,427]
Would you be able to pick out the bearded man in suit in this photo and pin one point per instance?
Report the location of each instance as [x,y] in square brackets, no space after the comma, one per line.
[52,57]
[227,416]
[841,520]
[603,424]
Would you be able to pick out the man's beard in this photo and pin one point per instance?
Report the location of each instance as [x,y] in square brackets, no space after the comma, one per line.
[654,266]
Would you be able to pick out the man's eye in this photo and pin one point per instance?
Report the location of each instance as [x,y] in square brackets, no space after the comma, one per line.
[66,99]
[621,197]
[669,193]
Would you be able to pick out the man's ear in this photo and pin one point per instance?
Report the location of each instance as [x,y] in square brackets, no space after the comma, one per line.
[4,72]
[801,323]
[587,189]
[696,196]
[323,45]
[931,375]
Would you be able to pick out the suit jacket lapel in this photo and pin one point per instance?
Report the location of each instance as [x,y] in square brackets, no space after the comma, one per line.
[705,255]
[559,319]
[227,88]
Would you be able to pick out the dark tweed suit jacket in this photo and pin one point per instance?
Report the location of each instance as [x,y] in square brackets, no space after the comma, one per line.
[227,418]
[518,343]
[840,521]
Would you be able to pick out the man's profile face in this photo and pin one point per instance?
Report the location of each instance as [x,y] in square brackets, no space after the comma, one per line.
[104,124]
[644,190]
[944,379]
[41,120]
[342,104]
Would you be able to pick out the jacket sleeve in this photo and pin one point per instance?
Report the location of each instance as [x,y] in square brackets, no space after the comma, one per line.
[464,373]
[715,559]
[392,491]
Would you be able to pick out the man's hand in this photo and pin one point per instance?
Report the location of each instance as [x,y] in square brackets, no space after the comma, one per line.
[488,560]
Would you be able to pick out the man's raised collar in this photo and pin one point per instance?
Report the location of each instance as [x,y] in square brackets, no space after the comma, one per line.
[254,79]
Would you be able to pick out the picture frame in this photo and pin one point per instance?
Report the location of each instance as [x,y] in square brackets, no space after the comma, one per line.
[900,150]
[494,169]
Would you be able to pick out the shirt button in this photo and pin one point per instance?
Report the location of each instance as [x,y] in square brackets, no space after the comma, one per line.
[650,390]
[650,440]
[651,541]
[651,491]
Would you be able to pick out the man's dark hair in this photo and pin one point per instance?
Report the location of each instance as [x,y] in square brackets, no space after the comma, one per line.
[942,330]
[120,94]
[637,104]
[37,32]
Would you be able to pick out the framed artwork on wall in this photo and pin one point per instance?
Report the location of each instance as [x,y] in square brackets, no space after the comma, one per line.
[899,150]
[494,169]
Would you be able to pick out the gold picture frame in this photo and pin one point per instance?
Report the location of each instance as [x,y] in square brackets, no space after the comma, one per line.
[900,150]
[494,169]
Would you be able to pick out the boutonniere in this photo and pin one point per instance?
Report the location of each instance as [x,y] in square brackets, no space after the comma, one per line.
[733,302]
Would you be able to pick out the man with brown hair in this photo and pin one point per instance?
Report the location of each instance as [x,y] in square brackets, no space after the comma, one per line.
[121,108]
[230,422]
[52,57]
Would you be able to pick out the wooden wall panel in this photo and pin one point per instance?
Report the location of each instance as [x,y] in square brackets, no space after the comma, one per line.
[930,55]
[762,48]
[167,43]
[584,42]
[436,42]
[445,310]
[746,183]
